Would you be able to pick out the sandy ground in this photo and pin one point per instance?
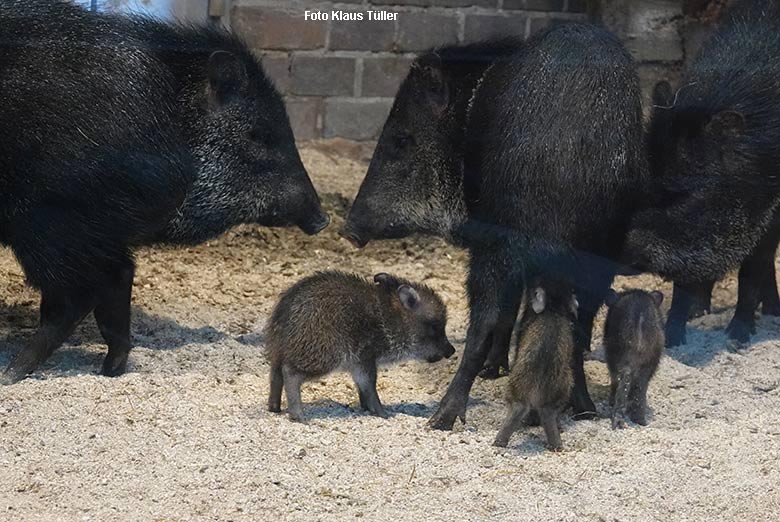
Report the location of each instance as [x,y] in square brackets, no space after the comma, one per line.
[185,435]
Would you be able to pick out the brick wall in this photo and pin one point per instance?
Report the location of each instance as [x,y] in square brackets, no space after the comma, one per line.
[339,77]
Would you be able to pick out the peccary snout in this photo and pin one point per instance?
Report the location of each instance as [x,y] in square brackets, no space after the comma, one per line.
[315,222]
[445,351]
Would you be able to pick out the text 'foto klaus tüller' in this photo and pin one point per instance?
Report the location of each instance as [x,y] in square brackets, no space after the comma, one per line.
[350,16]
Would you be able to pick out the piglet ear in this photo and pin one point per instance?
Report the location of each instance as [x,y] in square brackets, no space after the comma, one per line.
[657,296]
[539,300]
[226,74]
[408,297]
[611,298]
[663,97]
[386,280]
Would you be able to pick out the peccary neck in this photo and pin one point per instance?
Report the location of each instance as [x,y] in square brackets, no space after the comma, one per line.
[466,68]
[208,209]
[393,328]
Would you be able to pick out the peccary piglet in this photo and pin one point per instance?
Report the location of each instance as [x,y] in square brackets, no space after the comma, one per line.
[541,378]
[333,320]
[634,342]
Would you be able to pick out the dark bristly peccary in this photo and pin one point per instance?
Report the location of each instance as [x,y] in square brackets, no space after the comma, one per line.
[541,377]
[634,344]
[715,156]
[119,132]
[334,320]
[514,151]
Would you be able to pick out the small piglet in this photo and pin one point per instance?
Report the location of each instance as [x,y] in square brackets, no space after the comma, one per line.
[333,320]
[541,377]
[634,343]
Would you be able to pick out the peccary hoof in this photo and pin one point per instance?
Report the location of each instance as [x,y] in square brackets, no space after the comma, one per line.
[675,335]
[583,407]
[380,412]
[114,366]
[10,376]
[697,311]
[22,365]
[618,422]
[500,442]
[772,309]
[739,331]
[492,372]
[444,418]
[297,417]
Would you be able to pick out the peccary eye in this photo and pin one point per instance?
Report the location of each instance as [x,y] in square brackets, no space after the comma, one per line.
[434,329]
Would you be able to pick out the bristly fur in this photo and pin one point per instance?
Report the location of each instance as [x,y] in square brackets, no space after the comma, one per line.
[715,194]
[117,132]
[334,320]
[634,344]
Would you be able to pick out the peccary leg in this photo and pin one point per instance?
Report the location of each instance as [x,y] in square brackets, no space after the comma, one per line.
[752,280]
[701,300]
[682,297]
[498,357]
[612,390]
[61,311]
[594,277]
[292,387]
[365,379]
[581,402]
[277,383]
[112,314]
[549,418]
[769,296]
[637,411]
[514,419]
[489,278]
[622,391]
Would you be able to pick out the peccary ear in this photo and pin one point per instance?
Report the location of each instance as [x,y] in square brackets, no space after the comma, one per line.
[539,300]
[726,123]
[437,90]
[408,296]
[386,280]
[227,75]
[663,97]
[574,305]
[611,298]
[657,296]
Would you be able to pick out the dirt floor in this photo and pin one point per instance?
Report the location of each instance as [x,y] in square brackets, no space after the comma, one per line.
[184,435]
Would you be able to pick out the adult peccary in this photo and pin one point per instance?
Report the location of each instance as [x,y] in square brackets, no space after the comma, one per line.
[119,132]
[634,344]
[715,154]
[334,320]
[516,151]
[541,377]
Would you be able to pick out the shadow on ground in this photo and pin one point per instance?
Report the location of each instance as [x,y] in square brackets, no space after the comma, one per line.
[19,322]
